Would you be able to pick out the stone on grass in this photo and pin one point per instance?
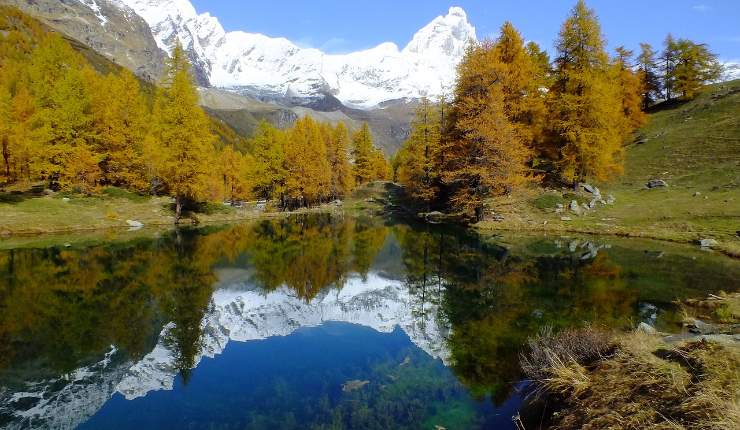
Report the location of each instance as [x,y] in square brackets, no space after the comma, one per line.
[656,183]
[708,243]
[646,328]
[134,223]
[566,218]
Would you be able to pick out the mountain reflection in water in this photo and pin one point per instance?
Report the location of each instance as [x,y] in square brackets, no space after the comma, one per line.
[432,318]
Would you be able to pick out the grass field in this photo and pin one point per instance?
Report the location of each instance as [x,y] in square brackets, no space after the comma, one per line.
[693,146]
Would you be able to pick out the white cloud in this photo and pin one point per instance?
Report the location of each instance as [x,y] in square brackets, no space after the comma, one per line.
[701,8]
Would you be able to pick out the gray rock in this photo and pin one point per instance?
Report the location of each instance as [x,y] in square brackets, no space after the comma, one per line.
[656,183]
[708,243]
[697,194]
[610,199]
[700,327]
[134,223]
[590,189]
[575,207]
[566,218]
[646,328]
[435,217]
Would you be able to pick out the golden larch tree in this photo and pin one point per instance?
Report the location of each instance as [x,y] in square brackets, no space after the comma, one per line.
[486,155]
[586,107]
[181,148]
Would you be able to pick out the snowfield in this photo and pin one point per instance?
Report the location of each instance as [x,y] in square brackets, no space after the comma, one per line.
[364,79]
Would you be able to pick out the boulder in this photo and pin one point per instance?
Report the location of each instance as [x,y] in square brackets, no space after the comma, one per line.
[646,328]
[656,183]
[134,223]
[610,199]
[435,217]
[566,218]
[591,190]
[708,243]
[575,207]
[700,327]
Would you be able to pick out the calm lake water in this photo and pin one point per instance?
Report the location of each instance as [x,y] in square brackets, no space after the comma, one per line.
[313,322]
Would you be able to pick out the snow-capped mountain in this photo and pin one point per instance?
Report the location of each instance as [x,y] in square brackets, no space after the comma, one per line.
[238,312]
[731,70]
[257,64]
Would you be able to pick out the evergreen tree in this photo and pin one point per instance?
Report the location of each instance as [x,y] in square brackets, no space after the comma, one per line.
[486,155]
[235,172]
[669,59]
[121,122]
[269,158]
[631,91]
[308,176]
[23,148]
[362,152]
[5,127]
[648,74]
[585,109]
[342,180]
[183,144]
[694,67]
[418,167]
[521,78]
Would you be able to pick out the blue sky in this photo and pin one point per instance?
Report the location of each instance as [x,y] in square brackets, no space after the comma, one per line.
[343,25]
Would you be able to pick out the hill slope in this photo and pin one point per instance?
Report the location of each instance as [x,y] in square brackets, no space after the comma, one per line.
[694,147]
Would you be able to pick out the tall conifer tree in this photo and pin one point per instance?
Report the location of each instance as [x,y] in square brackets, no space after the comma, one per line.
[183,144]
[586,112]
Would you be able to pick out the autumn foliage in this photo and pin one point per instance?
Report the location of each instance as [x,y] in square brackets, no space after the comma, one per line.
[516,118]
[68,125]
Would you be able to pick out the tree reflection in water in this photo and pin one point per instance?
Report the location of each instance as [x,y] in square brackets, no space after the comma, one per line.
[63,308]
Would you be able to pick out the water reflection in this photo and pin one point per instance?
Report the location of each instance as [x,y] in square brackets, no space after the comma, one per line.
[78,326]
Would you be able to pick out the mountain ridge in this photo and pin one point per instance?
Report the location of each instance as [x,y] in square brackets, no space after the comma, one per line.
[276,68]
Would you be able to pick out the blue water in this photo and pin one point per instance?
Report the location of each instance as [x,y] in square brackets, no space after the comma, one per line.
[296,382]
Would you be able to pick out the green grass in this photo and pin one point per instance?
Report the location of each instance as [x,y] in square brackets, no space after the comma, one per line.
[693,146]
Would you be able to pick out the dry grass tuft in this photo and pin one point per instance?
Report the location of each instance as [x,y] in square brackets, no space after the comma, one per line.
[635,381]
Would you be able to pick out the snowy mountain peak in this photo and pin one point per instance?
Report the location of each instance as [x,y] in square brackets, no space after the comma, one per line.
[277,68]
[445,35]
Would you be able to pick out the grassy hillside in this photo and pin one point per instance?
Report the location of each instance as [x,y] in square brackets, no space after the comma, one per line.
[694,147]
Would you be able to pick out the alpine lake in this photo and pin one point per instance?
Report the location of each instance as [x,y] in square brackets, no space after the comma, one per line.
[314,322]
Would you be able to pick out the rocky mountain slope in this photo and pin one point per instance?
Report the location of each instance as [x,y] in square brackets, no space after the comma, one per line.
[277,69]
[107,26]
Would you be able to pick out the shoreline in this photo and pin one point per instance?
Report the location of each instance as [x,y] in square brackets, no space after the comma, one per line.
[487,227]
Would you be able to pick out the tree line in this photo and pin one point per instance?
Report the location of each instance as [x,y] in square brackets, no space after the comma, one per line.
[64,123]
[515,117]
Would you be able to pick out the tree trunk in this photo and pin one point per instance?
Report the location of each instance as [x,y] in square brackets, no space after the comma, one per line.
[178,209]
[6,158]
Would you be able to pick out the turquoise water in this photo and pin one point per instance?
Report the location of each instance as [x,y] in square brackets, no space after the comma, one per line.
[314,322]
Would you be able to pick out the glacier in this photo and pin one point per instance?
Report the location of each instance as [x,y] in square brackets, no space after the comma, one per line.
[254,62]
